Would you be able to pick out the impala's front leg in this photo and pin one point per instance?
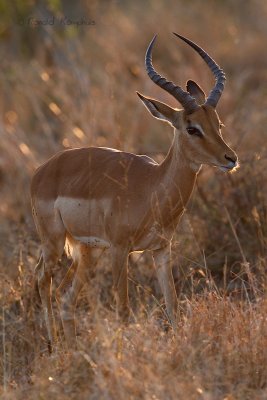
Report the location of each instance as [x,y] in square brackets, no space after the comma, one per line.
[120,281]
[162,262]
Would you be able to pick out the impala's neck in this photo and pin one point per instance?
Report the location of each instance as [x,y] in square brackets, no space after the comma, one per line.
[177,179]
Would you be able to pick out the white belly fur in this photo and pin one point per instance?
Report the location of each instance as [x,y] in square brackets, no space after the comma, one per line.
[93,241]
[84,220]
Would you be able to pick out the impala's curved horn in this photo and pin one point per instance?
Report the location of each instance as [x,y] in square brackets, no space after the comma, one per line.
[188,102]
[216,92]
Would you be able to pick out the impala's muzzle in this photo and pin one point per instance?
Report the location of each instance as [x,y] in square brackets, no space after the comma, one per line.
[232,163]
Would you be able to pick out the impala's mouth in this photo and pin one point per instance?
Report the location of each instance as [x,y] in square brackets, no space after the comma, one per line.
[228,168]
[231,167]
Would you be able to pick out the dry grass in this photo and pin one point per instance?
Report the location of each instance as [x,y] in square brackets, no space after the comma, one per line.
[78,89]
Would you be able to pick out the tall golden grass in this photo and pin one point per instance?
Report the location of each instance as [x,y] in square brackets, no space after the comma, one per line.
[71,86]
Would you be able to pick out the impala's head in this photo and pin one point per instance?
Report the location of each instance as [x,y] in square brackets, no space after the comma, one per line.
[198,123]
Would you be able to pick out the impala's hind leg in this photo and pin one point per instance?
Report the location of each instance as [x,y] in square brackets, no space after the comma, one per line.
[44,277]
[52,234]
[37,268]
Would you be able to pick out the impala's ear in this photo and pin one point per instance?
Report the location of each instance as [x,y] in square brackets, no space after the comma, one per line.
[195,90]
[159,110]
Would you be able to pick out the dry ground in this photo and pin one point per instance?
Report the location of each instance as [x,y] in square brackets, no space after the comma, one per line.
[72,86]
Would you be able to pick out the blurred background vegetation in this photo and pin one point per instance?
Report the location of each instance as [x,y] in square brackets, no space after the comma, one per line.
[68,76]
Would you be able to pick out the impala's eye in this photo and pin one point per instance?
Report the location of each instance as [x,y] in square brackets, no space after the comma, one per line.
[192,130]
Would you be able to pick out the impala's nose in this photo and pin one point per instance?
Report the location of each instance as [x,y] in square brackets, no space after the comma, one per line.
[232,161]
[233,158]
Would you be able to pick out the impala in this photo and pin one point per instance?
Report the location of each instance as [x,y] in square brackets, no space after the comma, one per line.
[97,198]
